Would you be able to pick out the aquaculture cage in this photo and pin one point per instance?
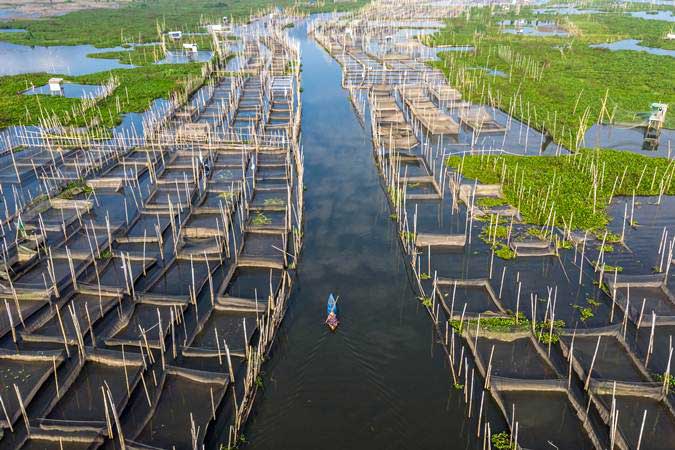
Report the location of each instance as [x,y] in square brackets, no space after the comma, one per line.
[100,377]
[602,354]
[508,353]
[467,298]
[72,319]
[220,339]
[23,374]
[638,414]
[186,404]
[145,324]
[544,408]
[641,296]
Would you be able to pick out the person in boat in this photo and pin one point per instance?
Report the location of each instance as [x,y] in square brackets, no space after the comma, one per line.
[332,320]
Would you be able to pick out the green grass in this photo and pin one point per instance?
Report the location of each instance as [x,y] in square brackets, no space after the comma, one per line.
[495,324]
[540,185]
[74,188]
[490,202]
[503,251]
[137,89]
[273,202]
[555,89]
[138,56]
[609,269]
[662,377]
[511,325]
[585,312]
[143,55]
[260,219]
[502,441]
[140,20]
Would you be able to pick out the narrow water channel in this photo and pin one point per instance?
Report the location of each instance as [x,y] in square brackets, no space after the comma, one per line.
[379,381]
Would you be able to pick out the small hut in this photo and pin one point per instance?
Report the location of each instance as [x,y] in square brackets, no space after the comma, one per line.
[658,115]
[56,86]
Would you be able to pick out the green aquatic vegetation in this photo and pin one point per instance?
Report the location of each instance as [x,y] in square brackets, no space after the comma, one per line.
[537,232]
[563,244]
[611,238]
[393,217]
[260,219]
[608,268]
[291,67]
[142,55]
[496,324]
[106,253]
[594,303]
[75,187]
[510,324]
[503,251]
[607,248]
[561,82]
[544,333]
[502,441]
[662,377]
[137,89]
[259,382]
[458,386]
[491,218]
[408,236]
[585,312]
[426,301]
[241,441]
[487,234]
[495,236]
[139,21]
[567,185]
[273,202]
[425,276]
[394,194]
[490,202]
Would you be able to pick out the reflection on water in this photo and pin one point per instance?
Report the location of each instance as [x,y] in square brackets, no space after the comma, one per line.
[69,90]
[634,45]
[10,13]
[182,58]
[59,59]
[536,31]
[132,123]
[567,11]
[532,27]
[667,16]
[489,71]
[74,59]
[631,139]
[379,382]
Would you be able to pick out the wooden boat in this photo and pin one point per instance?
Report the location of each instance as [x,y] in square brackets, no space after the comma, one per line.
[331,309]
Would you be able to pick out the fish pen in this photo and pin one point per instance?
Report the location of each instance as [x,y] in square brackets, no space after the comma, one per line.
[506,298]
[145,275]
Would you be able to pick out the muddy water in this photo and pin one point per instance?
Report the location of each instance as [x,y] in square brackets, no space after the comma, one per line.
[379,381]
